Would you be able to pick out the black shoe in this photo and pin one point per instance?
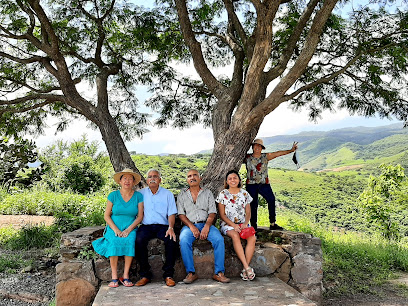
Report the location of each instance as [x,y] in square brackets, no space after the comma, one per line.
[276,227]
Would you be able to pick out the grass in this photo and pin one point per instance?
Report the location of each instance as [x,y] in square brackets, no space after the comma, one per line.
[12,263]
[352,262]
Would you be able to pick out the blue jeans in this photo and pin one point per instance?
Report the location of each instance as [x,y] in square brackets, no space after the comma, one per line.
[264,190]
[186,247]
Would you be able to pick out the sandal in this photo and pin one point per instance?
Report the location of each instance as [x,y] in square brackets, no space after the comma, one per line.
[250,273]
[114,283]
[126,282]
[244,275]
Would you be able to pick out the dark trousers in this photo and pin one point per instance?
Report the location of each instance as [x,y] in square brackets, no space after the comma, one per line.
[264,190]
[146,233]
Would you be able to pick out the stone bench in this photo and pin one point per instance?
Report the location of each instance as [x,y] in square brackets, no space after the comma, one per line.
[294,258]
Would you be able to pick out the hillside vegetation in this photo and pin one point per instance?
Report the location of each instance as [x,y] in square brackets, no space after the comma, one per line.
[364,147]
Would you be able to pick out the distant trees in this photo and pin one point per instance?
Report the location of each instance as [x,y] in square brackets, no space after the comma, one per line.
[385,202]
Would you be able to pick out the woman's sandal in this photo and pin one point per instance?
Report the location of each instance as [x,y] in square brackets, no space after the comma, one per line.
[126,282]
[250,273]
[244,275]
[114,283]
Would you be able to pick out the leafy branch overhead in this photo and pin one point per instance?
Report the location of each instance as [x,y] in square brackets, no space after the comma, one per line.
[76,58]
[304,53]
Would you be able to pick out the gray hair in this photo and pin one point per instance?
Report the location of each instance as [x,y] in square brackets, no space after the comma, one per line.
[153,170]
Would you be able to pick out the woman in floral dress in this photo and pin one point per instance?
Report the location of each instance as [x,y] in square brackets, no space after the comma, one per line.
[235,212]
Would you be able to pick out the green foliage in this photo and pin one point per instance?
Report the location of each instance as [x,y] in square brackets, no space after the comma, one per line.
[353,262]
[328,199]
[28,237]
[12,263]
[87,253]
[385,201]
[173,168]
[37,202]
[15,155]
[75,166]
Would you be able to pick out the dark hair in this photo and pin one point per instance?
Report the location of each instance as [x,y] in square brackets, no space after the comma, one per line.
[226,186]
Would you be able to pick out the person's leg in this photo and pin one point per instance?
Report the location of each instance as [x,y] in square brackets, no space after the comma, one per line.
[170,251]
[236,241]
[186,248]
[253,192]
[128,263]
[265,190]
[250,249]
[217,241]
[114,266]
[144,234]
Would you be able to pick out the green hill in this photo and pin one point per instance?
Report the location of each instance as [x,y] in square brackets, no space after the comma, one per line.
[361,147]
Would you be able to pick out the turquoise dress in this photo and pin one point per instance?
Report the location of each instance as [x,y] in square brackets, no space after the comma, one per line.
[123,215]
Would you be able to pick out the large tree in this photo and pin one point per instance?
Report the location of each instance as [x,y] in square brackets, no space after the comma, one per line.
[288,51]
[49,50]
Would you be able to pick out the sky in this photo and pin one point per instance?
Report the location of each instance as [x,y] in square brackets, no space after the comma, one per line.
[282,121]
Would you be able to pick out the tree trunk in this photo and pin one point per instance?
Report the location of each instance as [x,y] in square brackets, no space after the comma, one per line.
[118,153]
[229,153]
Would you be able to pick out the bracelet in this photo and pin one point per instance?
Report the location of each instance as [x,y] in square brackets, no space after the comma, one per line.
[170,227]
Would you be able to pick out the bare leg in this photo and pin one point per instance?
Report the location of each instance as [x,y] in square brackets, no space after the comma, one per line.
[250,248]
[114,266]
[236,241]
[128,263]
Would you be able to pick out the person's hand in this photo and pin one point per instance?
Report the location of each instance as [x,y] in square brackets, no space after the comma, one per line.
[170,233]
[237,228]
[204,232]
[118,232]
[195,231]
[294,146]
[125,233]
[244,225]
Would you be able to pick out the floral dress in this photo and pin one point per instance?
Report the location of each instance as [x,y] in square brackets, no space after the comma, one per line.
[234,207]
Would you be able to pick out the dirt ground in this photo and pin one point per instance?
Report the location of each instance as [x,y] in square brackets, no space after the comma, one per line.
[19,220]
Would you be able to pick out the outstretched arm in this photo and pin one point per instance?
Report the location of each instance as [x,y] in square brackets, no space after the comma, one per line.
[273,155]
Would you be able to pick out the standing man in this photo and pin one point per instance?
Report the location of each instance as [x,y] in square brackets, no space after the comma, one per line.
[158,222]
[196,209]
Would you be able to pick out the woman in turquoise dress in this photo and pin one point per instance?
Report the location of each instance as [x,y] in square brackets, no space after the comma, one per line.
[123,213]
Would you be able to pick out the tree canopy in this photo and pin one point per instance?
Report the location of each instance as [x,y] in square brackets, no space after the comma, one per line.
[50,50]
[275,52]
[289,51]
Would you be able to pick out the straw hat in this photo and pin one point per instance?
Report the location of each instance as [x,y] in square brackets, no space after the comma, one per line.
[258,141]
[135,175]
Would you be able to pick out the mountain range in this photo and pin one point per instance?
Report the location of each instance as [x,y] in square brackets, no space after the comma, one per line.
[356,147]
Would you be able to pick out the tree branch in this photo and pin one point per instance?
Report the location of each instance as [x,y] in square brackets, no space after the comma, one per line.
[229,6]
[22,110]
[292,42]
[31,97]
[196,52]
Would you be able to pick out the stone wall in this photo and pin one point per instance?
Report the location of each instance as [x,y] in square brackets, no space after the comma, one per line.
[295,258]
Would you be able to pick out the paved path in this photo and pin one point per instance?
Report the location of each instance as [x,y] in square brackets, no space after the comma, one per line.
[261,291]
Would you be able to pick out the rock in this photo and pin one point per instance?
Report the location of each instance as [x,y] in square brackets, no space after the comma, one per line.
[75,292]
[78,269]
[268,259]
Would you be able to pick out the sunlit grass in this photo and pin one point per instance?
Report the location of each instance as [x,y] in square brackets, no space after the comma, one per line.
[352,262]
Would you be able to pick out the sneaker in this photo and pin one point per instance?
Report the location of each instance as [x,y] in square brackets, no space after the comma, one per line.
[190,278]
[275,227]
[220,277]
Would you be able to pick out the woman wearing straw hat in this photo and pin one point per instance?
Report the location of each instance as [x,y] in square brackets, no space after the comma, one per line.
[258,182]
[123,213]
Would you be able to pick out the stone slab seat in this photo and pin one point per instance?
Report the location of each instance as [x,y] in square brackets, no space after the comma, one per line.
[294,258]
